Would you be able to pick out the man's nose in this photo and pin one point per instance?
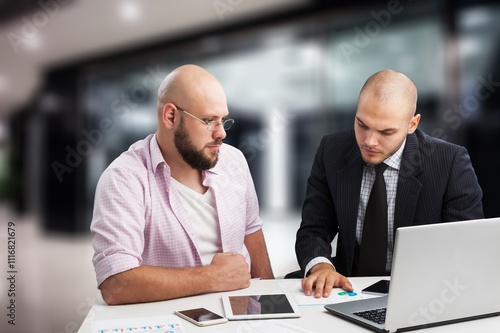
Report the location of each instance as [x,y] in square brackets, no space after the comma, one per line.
[371,139]
[219,133]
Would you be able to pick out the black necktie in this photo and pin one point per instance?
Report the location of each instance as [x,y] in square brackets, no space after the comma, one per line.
[373,252]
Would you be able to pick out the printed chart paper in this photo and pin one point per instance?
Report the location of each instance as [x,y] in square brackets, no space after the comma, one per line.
[337,295]
[157,324]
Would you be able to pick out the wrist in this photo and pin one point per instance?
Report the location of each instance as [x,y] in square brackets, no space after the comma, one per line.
[208,275]
[320,267]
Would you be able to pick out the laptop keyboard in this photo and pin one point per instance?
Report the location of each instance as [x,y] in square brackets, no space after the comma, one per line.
[377,315]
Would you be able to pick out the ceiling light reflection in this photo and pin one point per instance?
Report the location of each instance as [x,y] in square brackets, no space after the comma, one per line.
[130,11]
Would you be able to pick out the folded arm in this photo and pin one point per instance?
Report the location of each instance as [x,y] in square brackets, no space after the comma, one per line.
[227,271]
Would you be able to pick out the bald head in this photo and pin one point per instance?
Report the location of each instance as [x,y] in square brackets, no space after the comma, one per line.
[190,87]
[390,87]
[385,115]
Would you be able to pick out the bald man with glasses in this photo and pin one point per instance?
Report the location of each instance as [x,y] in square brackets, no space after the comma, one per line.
[177,213]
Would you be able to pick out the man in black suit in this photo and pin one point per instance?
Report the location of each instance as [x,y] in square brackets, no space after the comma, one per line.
[426,179]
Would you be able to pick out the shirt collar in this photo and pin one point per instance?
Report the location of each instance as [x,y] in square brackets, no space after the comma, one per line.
[156,156]
[157,159]
[394,161]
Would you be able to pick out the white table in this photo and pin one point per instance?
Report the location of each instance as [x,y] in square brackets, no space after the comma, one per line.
[314,318]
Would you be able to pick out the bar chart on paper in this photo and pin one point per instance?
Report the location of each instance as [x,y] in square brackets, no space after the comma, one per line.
[157,324]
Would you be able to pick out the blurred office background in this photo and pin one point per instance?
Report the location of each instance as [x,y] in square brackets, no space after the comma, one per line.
[78,83]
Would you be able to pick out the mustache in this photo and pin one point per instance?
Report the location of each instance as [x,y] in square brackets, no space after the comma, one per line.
[217,142]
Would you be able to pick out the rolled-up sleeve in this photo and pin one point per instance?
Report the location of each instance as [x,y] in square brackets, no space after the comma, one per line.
[118,223]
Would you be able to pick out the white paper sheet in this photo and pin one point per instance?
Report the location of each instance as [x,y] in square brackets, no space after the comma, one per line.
[267,326]
[337,295]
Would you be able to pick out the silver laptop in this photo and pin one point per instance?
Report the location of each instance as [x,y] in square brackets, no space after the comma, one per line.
[441,273]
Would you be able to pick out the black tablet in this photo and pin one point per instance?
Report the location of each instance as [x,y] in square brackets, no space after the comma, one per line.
[260,306]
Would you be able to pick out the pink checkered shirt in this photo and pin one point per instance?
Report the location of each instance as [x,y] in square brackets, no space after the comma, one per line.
[139,219]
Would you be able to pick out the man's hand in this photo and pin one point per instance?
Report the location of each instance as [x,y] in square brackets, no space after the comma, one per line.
[323,278]
[229,271]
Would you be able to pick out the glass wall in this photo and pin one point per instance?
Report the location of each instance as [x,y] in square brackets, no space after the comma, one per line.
[290,82]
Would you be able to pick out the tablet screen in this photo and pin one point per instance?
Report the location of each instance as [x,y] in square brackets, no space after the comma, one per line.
[259,306]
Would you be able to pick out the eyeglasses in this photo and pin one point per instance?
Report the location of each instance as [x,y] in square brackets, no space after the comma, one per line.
[212,125]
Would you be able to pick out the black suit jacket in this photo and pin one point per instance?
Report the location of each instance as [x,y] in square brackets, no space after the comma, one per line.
[436,184]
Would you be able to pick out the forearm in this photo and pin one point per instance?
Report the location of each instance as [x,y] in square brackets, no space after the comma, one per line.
[227,271]
[150,283]
[256,246]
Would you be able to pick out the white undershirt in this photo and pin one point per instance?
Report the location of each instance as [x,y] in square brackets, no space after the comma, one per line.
[201,212]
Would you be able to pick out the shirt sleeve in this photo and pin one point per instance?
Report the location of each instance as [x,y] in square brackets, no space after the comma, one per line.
[118,223]
[463,197]
[315,261]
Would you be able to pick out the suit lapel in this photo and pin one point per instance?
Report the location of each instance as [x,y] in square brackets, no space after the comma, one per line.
[409,187]
[350,178]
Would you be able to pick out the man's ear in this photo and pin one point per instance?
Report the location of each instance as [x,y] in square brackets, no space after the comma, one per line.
[168,115]
[414,123]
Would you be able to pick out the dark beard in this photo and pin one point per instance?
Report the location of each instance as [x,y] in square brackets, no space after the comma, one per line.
[193,157]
